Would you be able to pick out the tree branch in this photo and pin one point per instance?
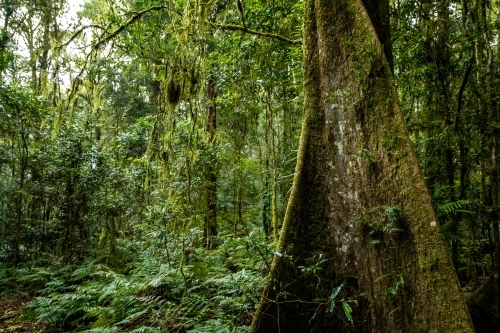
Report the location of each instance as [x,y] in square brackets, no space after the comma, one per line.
[136,16]
[462,89]
[78,32]
[233,27]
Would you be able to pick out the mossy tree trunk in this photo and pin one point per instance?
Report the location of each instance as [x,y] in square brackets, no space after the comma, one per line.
[360,231]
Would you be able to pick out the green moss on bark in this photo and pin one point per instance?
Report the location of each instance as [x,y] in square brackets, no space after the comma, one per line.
[351,106]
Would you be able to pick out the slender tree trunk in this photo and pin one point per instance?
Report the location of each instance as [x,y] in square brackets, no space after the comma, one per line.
[442,61]
[495,166]
[23,165]
[271,149]
[359,229]
[46,21]
[210,229]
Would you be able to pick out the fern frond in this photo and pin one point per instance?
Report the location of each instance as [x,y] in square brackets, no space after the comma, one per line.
[453,207]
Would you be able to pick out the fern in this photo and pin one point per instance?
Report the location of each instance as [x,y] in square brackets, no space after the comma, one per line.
[223,287]
[146,329]
[103,330]
[454,207]
[83,272]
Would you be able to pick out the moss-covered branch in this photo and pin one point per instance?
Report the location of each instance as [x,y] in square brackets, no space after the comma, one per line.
[80,31]
[135,17]
[233,27]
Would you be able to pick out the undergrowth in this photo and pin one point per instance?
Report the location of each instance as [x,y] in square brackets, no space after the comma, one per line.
[174,287]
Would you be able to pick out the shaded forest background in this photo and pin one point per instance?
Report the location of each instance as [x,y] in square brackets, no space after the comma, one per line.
[147,151]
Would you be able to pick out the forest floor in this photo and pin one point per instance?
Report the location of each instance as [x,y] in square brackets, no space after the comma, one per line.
[11,317]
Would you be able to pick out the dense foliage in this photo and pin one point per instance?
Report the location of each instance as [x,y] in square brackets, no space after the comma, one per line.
[147,150]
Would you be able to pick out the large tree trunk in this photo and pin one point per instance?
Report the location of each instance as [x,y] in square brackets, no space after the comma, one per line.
[359,229]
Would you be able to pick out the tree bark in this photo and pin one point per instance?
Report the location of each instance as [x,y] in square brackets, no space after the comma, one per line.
[359,230]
